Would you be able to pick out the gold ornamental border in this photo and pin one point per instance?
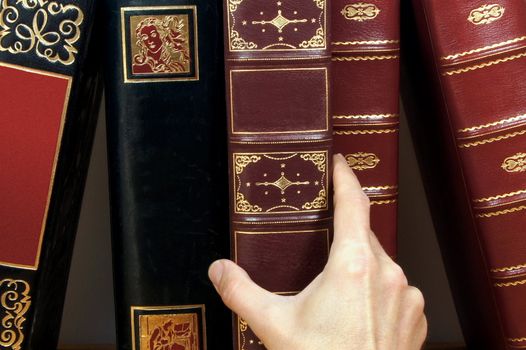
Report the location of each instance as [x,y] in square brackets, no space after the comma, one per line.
[197,307]
[231,98]
[69,79]
[233,34]
[124,46]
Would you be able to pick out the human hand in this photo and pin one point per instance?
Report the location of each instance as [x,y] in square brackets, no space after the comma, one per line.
[361,300]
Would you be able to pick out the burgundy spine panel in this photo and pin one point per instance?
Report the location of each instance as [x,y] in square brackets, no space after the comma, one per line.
[365,90]
[479,52]
[280,133]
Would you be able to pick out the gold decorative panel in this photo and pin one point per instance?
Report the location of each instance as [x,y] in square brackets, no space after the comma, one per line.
[280,182]
[486,14]
[360,12]
[276,26]
[15,301]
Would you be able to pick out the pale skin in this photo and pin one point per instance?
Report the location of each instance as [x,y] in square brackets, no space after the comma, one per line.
[361,300]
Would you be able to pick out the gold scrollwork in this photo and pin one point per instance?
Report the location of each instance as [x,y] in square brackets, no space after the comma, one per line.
[243,161]
[52,32]
[360,12]
[243,325]
[317,40]
[244,206]
[320,4]
[362,161]
[238,43]
[515,164]
[15,302]
[318,159]
[233,4]
[486,14]
[319,202]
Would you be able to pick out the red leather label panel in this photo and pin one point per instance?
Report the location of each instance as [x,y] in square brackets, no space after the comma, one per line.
[33,105]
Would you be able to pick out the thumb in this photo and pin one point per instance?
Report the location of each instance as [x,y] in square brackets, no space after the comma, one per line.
[252,303]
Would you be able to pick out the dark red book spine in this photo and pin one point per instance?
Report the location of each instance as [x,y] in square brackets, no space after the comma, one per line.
[365,90]
[476,54]
[280,133]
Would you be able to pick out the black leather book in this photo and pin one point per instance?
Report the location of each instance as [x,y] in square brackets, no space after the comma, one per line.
[168,169]
[49,95]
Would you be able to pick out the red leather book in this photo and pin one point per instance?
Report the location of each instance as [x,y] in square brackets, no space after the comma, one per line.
[278,97]
[475,57]
[365,89]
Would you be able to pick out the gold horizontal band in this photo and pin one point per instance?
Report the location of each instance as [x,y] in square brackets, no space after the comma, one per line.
[366,116]
[510,284]
[499,122]
[366,58]
[364,42]
[303,58]
[277,142]
[391,201]
[485,65]
[280,222]
[365,132]
[516,340]
[502,212]
[377,188]
[493,139]
[480,49]
[508,268]
[500,196]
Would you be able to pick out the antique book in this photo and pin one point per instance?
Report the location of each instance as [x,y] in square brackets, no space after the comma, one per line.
[167,149]
[280,143]
[467,112]
[50,91]
[365,95]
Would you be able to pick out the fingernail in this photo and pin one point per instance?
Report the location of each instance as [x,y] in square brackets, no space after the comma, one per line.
[215,272]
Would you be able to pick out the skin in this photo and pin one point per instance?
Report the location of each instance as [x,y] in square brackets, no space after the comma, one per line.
[360,301]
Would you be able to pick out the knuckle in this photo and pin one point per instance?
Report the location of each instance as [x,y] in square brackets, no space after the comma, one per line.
[395,277]
[416,299]
[362,262]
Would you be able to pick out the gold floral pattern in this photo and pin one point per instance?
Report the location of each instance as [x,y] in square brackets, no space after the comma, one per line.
[362,161]
[515,164]
[15,302]
[486,14]
[360,12]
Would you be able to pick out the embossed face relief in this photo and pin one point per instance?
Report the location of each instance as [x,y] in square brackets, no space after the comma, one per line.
[49,29]
[159,44]
[486,14]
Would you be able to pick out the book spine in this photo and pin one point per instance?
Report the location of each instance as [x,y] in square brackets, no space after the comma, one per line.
[477,52]
[50,94]
[167,151]
[280,152]
[365,95]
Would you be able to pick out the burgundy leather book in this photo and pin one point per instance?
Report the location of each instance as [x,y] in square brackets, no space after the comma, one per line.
[278,87]
[475,57]
[365,89]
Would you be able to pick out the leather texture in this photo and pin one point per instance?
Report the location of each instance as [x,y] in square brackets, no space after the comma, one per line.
[280,152]
[50,98]
[167,148]
[365,94]
[476,52]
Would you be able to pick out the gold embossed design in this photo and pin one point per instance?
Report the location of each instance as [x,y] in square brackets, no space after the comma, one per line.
[160,44]
[362,161]
[317,41]
[484,48]
[15,301]
[169,331]
[509,268]
[366,116]
[484,65]
[502,212]
[365,42]
[290,181]
[486,14]
[365,58]
[510,284]
[360,12]
[238,43]
[365,132]
[515,164]
[500,196]
[233,4]
[383,202]
[496,123]
[492,139]
[51,33]
[517,340]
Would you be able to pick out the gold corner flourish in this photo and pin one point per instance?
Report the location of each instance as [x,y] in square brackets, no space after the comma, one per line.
[244,206]
[242,161]
[318,40]
[15,301]
[317,159]
[319,202]
[238,43]
[233,4]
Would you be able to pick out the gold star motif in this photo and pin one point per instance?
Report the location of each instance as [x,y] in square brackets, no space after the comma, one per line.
[280,38]
[313,20]
[279,3]
[283,200]
[317,183]
[248,184]
[283,165]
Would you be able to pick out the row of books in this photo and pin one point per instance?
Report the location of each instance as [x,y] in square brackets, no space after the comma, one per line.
[244,102]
